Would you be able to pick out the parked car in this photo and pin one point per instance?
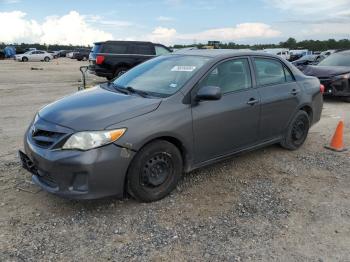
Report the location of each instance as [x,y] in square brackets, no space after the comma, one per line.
[334,74]
[111,59]
[81,54]
[36,55]
[282,52]
[70,54]
[54,54]
[63,53]
[298,53]
[306,60]
[169,115]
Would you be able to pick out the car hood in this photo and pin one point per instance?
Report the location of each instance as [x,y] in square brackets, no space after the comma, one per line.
[325,71]
[96,109]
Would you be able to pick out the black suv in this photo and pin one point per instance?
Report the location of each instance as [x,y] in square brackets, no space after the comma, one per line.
[111,59]
[81,54]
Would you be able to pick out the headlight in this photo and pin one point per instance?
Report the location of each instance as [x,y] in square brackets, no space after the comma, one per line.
[89,140]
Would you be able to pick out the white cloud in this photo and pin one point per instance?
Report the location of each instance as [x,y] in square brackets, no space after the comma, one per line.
[310,6]
[239,32]
[164,19]
[71,28]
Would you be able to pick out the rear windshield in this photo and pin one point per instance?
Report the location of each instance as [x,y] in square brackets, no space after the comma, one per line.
[96,48]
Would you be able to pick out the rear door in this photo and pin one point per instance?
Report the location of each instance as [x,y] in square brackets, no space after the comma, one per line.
[280,96]
[231,123]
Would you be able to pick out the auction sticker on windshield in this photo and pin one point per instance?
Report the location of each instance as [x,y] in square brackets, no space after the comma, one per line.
[183,68]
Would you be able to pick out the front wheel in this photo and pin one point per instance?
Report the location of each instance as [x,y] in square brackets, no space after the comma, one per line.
[297,132]
[24,59]
[47,59]
[155,171]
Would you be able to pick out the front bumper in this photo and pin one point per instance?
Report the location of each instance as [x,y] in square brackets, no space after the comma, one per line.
[336,87]
[77,174]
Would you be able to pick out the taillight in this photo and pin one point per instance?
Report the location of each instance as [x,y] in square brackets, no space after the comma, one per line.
[100,59]
[322,88]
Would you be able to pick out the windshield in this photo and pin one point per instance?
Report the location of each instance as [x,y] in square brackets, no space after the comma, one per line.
[162,76]
[339,59]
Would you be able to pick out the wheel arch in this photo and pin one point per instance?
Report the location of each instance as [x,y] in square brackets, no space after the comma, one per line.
[308,109]
[184,151]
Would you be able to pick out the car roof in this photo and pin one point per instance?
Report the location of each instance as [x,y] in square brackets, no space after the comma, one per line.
[222,53]
[120,41]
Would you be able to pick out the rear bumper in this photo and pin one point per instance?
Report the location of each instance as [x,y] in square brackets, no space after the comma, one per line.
[76,174]
[93,69]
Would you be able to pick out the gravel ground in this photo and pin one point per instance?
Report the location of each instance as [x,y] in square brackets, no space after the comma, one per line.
[267,205]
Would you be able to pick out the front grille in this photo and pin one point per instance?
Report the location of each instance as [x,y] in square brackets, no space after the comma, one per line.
[45,138]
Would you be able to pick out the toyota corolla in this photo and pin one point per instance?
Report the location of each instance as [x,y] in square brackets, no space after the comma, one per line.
[139,133]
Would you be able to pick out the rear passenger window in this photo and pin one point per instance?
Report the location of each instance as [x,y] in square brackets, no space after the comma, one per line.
[115,48]
[270,71]
[145,49]
[230,76]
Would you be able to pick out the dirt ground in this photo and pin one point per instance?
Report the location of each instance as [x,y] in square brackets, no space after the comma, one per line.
[267,205]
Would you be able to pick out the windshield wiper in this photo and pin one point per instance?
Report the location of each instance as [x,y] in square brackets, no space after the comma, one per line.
[119,89]
[136,91]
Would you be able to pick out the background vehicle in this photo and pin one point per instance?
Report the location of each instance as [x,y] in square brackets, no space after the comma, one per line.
[307,60]
[36,55]
[113,58]
[70,54]
[81,54]
[298,53]
[334,74]
[282,52]
[169,115]
[54,54]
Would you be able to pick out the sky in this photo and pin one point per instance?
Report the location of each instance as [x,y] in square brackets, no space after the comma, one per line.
[172,21]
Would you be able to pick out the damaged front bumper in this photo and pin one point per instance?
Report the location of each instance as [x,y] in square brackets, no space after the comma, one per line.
[336,86]
[92,174]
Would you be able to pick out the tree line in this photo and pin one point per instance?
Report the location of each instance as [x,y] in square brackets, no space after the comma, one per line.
[291,43]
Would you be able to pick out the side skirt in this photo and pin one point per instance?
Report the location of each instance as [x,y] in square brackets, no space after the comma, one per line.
[234,153]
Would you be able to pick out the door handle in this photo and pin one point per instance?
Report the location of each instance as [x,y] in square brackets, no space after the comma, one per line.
[294,92]
[252,101]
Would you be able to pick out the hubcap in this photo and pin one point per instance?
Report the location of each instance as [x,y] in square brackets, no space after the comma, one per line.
[157,170]
[298,131]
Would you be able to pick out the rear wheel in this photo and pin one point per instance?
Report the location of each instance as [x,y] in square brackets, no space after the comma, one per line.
[155,171]
[297,132]
[47,59]
[120,71]
[24,59]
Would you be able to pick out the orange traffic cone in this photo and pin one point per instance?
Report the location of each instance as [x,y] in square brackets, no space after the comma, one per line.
[337,143]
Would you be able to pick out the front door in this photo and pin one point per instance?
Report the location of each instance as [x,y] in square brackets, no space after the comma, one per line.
[227,125]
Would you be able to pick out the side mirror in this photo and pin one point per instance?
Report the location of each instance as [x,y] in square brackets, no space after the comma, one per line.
[208,93]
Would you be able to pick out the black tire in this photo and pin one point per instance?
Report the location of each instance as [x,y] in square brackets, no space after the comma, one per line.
[47,59]
[85,58]
[119,71]
[154,172]
[24,59]
[297,131]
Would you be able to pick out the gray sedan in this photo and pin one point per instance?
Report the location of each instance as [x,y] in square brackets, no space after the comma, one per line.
[172,114]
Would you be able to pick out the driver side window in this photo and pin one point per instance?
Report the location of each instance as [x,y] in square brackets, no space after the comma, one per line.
[230,76]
